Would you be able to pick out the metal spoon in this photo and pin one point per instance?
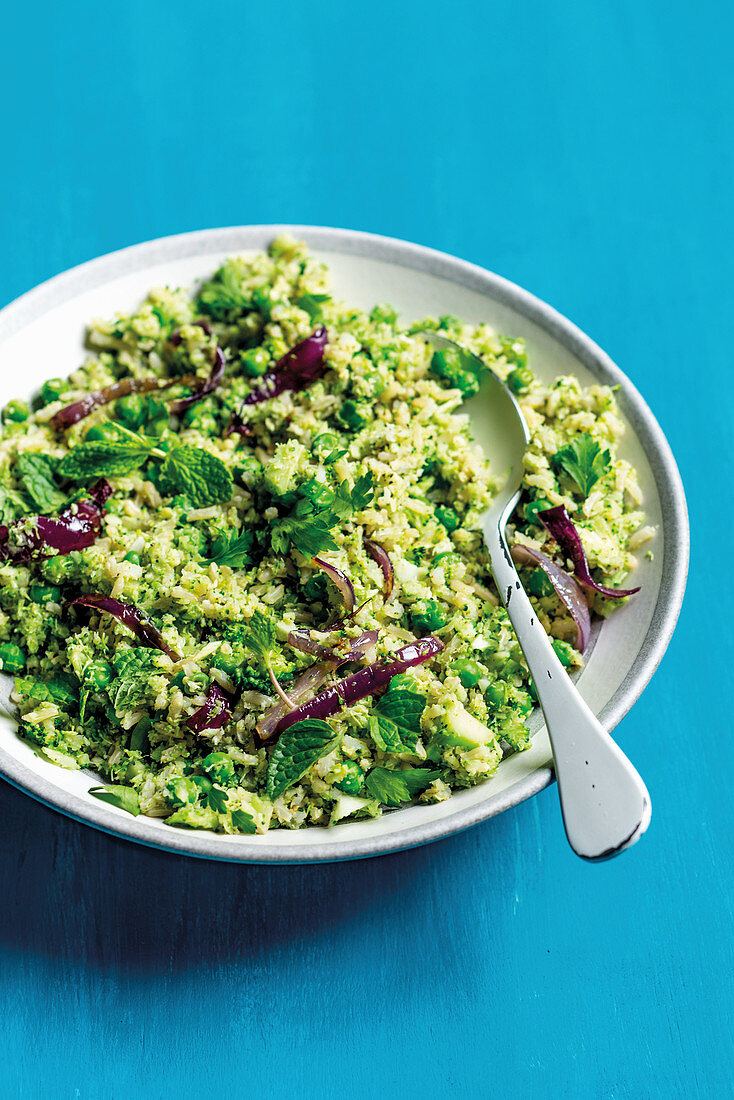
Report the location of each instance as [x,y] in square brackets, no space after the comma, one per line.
[605,804]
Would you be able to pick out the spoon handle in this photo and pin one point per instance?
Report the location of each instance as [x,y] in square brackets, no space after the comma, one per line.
[605,804]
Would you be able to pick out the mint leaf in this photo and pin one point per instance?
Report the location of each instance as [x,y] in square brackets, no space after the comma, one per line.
[134,667]
[395,722]
[106,458]
[583,461]
[35,473]
[296,751]
[312,303]
[125,798]
[202,476]
[392,787]
[216,800]
[233,549]
[59,689]
[244,821]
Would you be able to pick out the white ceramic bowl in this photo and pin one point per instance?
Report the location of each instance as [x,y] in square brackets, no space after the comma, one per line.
[41,334]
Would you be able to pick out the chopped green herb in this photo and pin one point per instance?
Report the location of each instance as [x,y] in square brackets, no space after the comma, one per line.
[296,751]
[583,461]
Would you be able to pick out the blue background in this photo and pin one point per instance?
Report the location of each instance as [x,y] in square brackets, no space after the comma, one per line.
[583,150]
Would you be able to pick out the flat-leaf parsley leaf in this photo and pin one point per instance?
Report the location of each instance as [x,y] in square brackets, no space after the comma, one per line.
[583,461]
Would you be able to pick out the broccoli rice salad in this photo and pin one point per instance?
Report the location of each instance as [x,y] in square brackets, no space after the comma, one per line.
[242,576]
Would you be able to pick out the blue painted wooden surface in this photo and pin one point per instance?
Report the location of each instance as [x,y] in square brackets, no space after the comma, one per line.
[583,150]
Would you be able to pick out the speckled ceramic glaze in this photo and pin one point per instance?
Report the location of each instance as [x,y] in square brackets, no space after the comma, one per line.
[42,334]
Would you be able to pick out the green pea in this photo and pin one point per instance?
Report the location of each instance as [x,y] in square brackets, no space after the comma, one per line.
[58,568]
[12,658]
[254,362]
[352,781]
[531,510]
[520,379]
[16,412]
[470,672]
[496,694]
[220,769]
[182,791]
[44,593]
[325,444]
[564,652]
[103,431]
[133,557]
[353,415]
[321,494]
[130,411]
[428,617]
[447,517]
[52,390]
[539,584]
[98,675]
[202,784]
[449,365]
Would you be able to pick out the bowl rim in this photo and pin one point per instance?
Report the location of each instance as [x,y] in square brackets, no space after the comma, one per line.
[61,288]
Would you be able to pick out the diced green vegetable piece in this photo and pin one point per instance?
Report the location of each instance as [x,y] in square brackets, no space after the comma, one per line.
[12,658]
[15,412]
[447,517]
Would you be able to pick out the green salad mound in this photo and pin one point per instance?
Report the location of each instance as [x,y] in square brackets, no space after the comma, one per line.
[242,579]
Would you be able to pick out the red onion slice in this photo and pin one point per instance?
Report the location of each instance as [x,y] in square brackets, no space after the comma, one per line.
[209,385]
[362,683]
[132,617]
[380,555]
[341,580]
[76,527]
[561,528]
[78,410]
[298,368]
[301,640]
[215,711]
[568,590]
[308,682]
